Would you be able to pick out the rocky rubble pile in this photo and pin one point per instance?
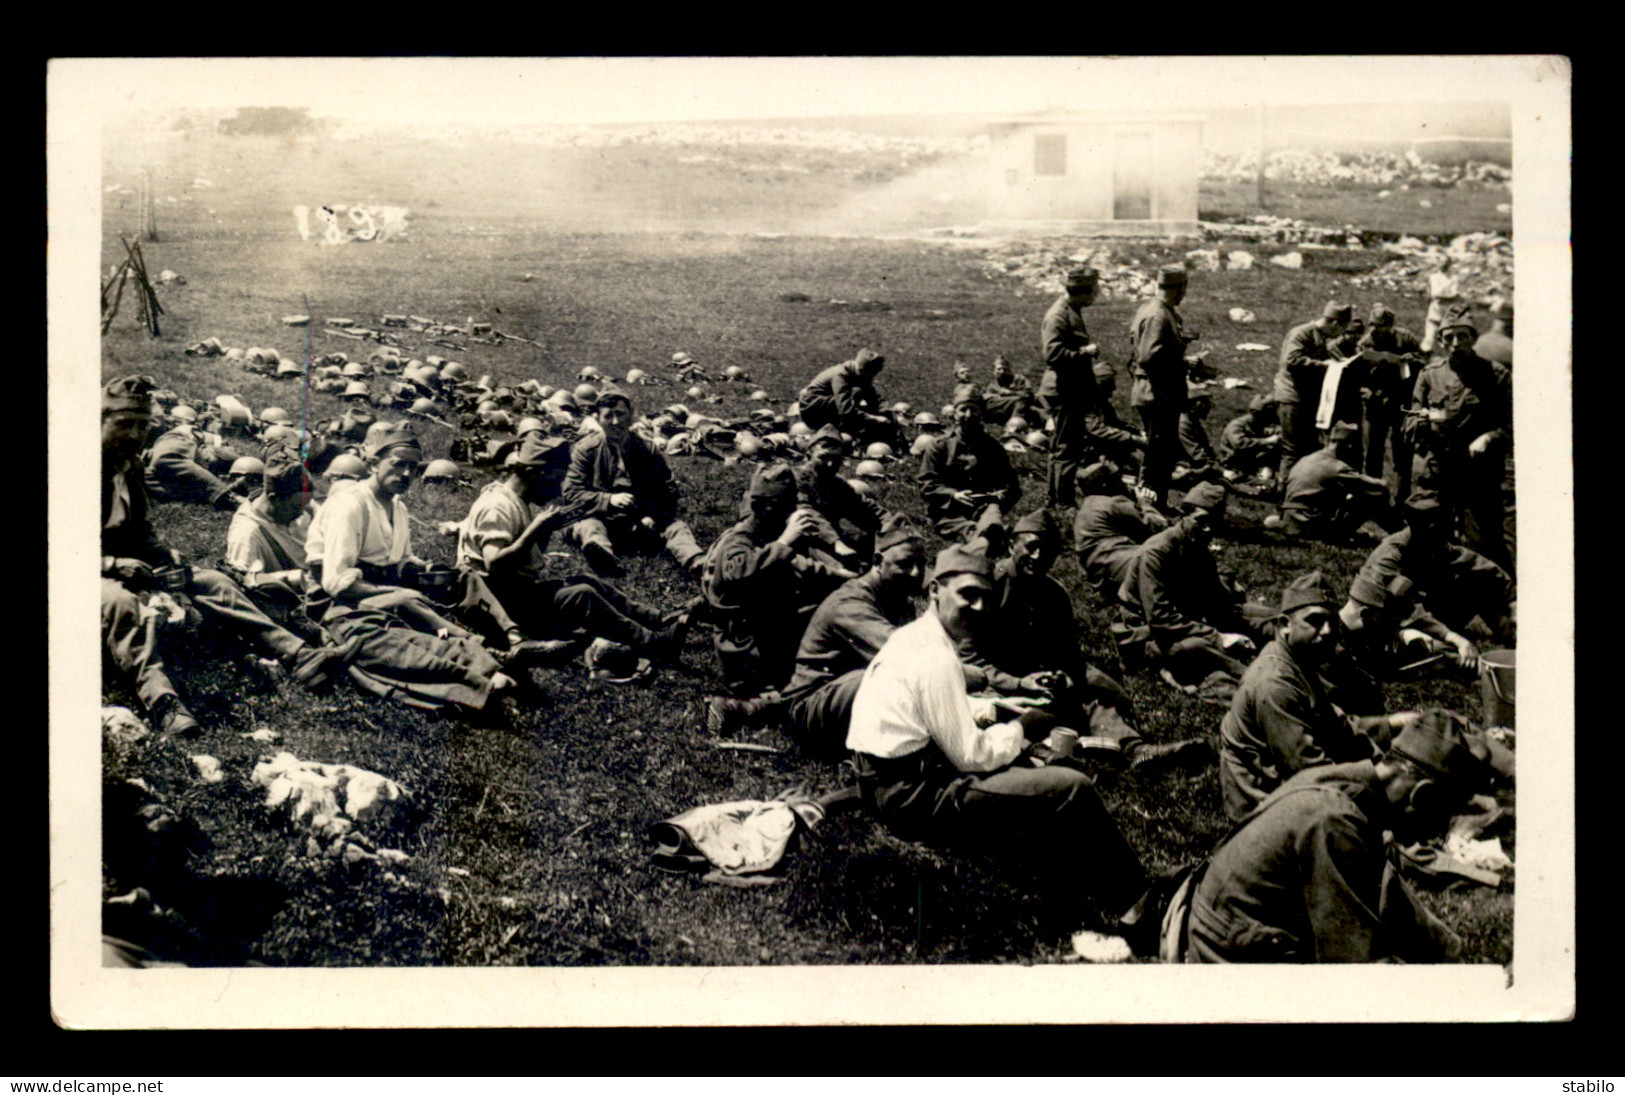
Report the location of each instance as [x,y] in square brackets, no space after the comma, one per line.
[1045,269]
[1376,168]
[1481,261]
[710,136]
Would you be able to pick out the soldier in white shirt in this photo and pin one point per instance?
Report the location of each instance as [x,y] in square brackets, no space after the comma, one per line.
[934,764]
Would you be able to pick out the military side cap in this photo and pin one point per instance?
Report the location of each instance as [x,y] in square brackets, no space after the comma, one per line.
[772,482]
[958,559]
[1305,590]
[611,394]
[1341,432]
[1172,275]
[284,473]
[1445,746]
[130,393]
[1502,310]
[1097,478]
[538,450]
[828,434]
[1040,522]
[1103,370]
[1457,315]
[868,359]
[1381,315]
[1369,589]
[1337,311]
[1208,495]
[894,533]
[969,393]
[383,436]
[1082,277]
[1424,508]
[1259,402]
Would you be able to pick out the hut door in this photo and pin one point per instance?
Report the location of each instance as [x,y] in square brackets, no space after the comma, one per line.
[1132,177]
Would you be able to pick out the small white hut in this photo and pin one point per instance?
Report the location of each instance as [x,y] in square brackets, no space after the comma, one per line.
[1120,174]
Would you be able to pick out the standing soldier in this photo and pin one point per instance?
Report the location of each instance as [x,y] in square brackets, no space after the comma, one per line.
[1394,356]
[1462,426]
[1067,389]
[1304,357]
[1161,374]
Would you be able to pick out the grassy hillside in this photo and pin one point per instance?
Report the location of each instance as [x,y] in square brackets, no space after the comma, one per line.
[528,842]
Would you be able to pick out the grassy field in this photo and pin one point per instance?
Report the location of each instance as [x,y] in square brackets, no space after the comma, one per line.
[528,840]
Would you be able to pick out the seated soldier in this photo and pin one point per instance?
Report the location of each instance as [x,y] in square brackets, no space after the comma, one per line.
[845,633]
[503,536]
[1385,628]
[1327,499]
[761,582]
[1009,393]
[395,640]
[1462,589]
[1248,444]
[132,556]
[1281,719]
[1200,461]
[265,543]
[1028,644]
[1111,437]
[820,487]
[966,477]
[1110,527]
[933,764]
[1178,614]
[1309,876]
[186,464]
[844,396]
[629,489]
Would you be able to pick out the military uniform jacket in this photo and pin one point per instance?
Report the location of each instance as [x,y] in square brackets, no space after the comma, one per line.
[1476,397]
[836,500]
[1304,356]
[1068,371]
[1240,434]
[840,388]
[959,462]
[1028,627]
[1157,337]
[1385,351]
[1318,479]
[845,633]
[126,527]
[1307,880]
[594,471]
[1107,533]
[1455,575]
[176,470]
[1280,722]
[1173,590]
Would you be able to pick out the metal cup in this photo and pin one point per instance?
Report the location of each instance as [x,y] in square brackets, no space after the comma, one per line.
[1062,741]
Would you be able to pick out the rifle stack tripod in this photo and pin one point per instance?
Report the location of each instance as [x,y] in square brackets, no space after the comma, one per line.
[132,269]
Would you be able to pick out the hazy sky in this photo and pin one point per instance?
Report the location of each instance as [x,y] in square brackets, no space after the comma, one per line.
[578,90]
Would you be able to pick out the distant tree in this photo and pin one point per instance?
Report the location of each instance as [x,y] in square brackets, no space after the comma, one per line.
[268,121]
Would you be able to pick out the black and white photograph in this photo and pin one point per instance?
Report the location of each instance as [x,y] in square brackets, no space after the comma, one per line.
[631,541]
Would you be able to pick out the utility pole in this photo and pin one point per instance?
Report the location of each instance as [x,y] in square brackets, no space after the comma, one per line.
[149,225]
[1263,151]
